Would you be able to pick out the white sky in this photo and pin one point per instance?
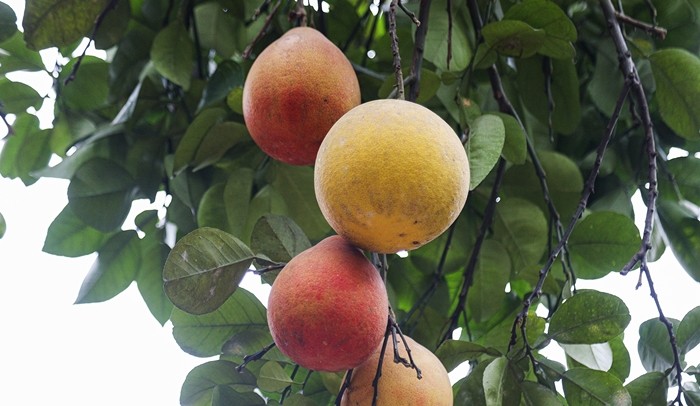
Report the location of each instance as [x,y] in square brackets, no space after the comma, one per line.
[115,353]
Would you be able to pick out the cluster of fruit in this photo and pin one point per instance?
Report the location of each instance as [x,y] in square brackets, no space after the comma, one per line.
[389,175]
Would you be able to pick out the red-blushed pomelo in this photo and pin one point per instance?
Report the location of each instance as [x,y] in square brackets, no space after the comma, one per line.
[391,175]
[328,307]
[295,91]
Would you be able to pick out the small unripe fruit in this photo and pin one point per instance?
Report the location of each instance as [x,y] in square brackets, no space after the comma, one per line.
[328,307]
[398,384]
[294,92]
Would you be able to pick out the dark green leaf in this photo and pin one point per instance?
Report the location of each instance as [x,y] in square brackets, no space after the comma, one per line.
[589,317]
[237,195]
[470,390]
[218,140]
[59,22]
[3,226]
[250,341]
[113,26]
[100,194]
[689,331]
[17,56]
[621,365]
[564,87]
[684,171]
[583,387]
[114,269]
[172,54]
[654,346]
[535,394]
[150,276]
[70,237]
[681,229]
[217,28]
[601,243]
[486,137]
[521,228]
[454,352]
[604,87]
[16,97]
[677,76]
[691,393]
[649,389]
[228,76]
[194,137]
[296,184]
[273,378]
[218,383]
[515,145]
[8,22]
[490,278]
[205,335]
[278,237]
[267,201]
[90,87]
[204,269]
[546,15]
[501,383]
[513,38]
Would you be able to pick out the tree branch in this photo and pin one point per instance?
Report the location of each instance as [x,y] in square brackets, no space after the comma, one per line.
[418,49]
[254,357]
[650,29]
[261,33]
[395,50]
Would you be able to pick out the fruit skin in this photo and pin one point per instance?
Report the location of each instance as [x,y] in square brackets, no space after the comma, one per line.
[328,307]
[391,175]
[294,92]
[398,384]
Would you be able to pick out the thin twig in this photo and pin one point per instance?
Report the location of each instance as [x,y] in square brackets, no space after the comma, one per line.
[418,49]
[98,22]
[395,50]
[198,46]
[254,357]
[261,33]
[380,363]
[410,14]
[298,15]
[650,29]
[269,268]
[343,387]
[449,32]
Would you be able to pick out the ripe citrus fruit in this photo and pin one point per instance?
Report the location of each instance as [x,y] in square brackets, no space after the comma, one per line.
[391,175]
[294,92]
[328,308]
[399,385]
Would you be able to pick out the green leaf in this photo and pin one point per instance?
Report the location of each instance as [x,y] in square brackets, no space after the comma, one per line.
[470,390]
[204,269]
[17,56]
[684,172]
[486,137]
[604,87]
[217,141]
[621,364]
[490,278]
[8,22]
[454,352]
[677,76]
[535,394]
[521,228]
[589,317]
[57,23]
[654,346]
[267,201]
[150,278]
[513,38]
[691,393]
[114,269]
[564,180]
[278,237]
[649,389]
[515,144]
[16,97]
[205,335]
[296,184]
[584,387]
[217,29]
[681,230]
[501,383]
[531,80]
[249,341]
[26,151]
[90,87]
[594,356]
[689,331]
[172,54]
[194,137]
[3,226]
[273,378]
[218,383]
[68,236]
[601,243]
[546,15]
[100,194]
[437,44]
[228,76]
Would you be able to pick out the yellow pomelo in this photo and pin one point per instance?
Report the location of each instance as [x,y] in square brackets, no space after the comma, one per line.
[391,175]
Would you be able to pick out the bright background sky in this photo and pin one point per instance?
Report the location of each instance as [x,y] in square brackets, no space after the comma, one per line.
[115,353]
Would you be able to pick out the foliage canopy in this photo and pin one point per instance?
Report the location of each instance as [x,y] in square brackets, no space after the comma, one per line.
[566,108]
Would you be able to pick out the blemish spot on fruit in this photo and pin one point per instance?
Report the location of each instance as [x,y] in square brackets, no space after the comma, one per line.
[415,242]
[402,234]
